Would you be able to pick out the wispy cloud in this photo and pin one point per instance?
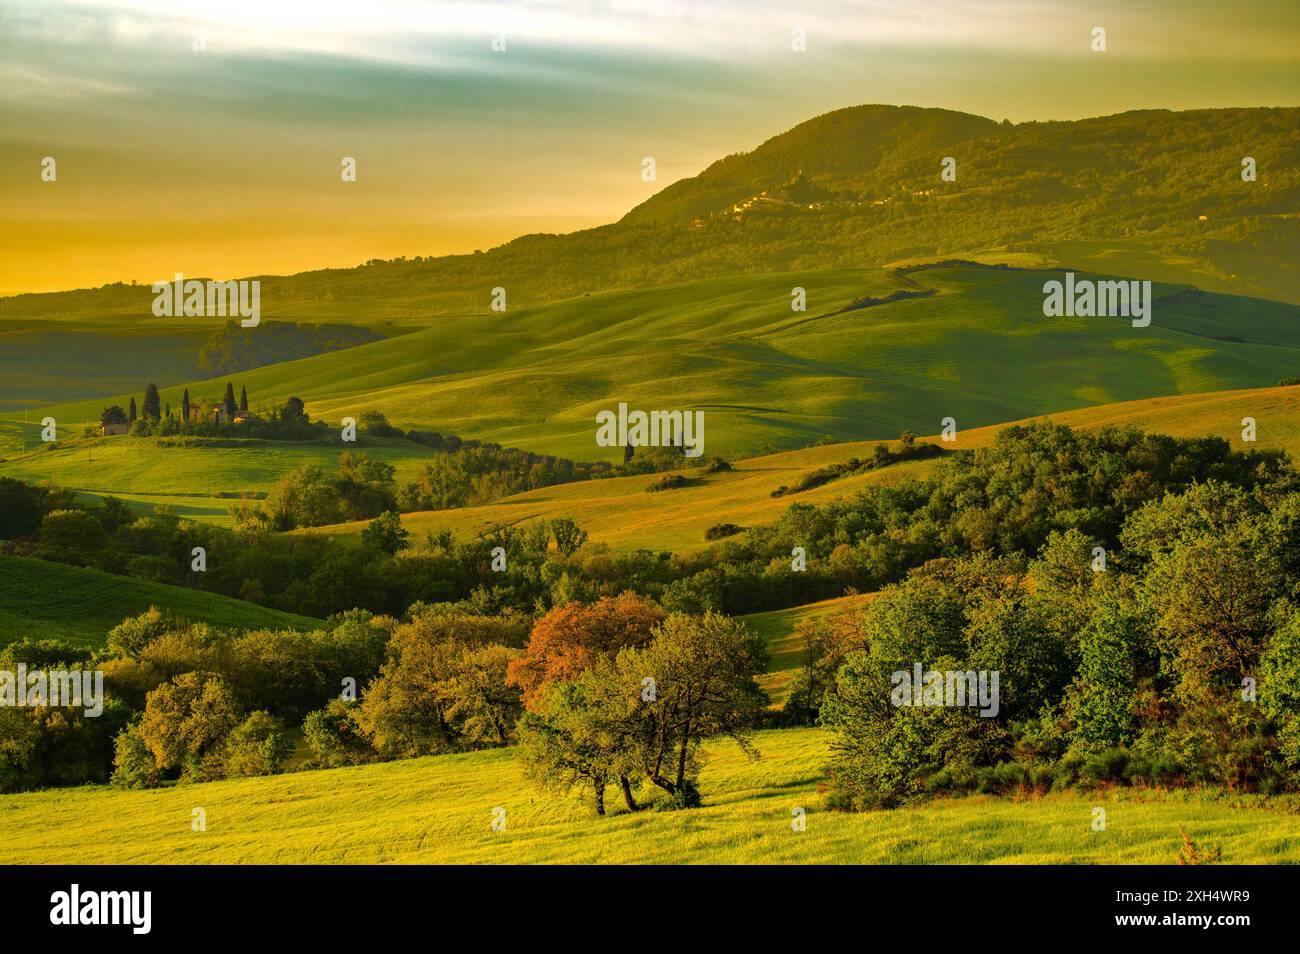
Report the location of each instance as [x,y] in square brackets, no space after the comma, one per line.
[435,34]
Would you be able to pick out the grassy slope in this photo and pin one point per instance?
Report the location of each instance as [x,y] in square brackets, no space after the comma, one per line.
[439,810]
[620,513]
[42,600]
[777,629]
[979,350]
[191,480]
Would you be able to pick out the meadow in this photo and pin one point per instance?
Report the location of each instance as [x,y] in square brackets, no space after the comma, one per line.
[769,378]
[620,513]
[439,810]
[43,600]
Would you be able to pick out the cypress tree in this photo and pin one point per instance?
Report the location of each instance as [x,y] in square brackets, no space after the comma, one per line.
[243,399]
[131,412]
[230,402]
[185,406]
[152,407]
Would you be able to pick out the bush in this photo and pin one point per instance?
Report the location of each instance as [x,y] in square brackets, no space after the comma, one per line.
[257,746]
[721,530]
[134,765]
[666,482]
[335,737]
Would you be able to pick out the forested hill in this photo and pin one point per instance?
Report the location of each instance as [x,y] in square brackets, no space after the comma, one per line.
[862,186]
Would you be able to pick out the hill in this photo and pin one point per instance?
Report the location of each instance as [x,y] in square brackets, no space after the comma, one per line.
[618,511]
[42,600]
[872,175]
[438,810]
[876,352]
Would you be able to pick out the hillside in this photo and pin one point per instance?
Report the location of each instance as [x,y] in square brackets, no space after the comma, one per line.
[43,600]
[438,810]
[969,342]
[1143,178]
[618,512]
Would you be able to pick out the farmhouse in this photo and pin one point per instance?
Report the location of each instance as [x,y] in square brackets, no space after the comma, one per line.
[112,430]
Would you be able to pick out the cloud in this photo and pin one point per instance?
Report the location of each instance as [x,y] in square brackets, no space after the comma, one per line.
[437,34]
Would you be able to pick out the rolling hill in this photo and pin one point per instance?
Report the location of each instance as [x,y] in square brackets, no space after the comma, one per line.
[618,511]
[43,600]
[967,342]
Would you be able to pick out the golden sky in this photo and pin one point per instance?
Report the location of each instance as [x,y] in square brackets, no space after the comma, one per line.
[225,161]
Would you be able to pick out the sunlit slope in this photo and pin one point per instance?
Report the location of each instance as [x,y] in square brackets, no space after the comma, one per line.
[786,647]
[201,481]
[619,512]
[440,810]
[978,349]
[43,600]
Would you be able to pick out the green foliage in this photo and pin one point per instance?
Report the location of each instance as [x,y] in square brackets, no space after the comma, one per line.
[336,737]
[386,533]
[234,348]
[257,746]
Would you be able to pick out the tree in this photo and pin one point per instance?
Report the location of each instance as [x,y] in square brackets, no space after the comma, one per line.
[21,508]
[113,414]
[703,669]
[185,406]
[131,413]
[134,766]
[335,736]
[293,410]
[257,746]
[129,637]
[71,536]
[152,407]
[186,722]
[386,533]
[569,538]
[243,399]
[559,750]
[228,403]
[443,686]
[572,637]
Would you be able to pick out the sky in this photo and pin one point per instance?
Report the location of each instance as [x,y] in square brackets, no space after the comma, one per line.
[207,136]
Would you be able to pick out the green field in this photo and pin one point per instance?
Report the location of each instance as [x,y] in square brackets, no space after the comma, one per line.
[620,513]
[201,482]
[979,349]
[439,810]
[42,600]
[786,648]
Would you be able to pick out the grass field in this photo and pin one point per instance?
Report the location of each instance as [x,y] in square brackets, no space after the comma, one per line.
[786,648]
[42,600]
[979,349]
[440,809]
[198,482]
[620,513]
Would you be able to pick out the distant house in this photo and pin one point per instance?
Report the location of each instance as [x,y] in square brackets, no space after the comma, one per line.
[216,412]
[247,417]
[113,430]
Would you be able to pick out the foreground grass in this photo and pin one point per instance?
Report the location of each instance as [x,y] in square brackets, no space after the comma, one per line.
[440,810]
[43,600]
